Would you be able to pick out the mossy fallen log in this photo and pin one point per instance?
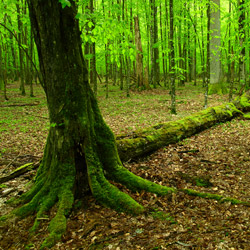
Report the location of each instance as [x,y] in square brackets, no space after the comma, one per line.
[143,142]
[19,171]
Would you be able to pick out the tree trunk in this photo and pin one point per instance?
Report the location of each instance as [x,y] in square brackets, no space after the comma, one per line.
[139,55]
[80,151]
[242,17]
[21,67]
[208,55]
[172,65]
[215,43]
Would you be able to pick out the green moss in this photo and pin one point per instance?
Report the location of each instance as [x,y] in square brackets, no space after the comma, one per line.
[136,183]
[29,165]
[247,116]
[3,218]
[111,196]
[163,216]
[29,246]
[244,101]
[218,88]
[217,197]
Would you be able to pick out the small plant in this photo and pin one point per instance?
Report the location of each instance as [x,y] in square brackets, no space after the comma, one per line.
[163,216]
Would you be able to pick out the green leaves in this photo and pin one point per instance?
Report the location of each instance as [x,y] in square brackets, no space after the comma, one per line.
[65,3]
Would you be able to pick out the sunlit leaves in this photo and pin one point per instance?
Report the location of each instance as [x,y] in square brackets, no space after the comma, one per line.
[65,3]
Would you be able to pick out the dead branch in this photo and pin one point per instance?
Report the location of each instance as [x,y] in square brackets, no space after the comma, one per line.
[20,105]
[20,171]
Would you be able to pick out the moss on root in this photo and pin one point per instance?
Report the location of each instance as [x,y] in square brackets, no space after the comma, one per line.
[217,197]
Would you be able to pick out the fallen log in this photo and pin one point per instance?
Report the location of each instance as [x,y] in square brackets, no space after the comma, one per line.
[142,142]
[19,171]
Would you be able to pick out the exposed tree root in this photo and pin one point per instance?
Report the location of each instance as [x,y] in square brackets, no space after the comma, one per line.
[217,197]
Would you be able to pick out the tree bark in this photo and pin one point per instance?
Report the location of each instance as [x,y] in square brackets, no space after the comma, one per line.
[215,43]
[172,56]
[242,17]
[139,55]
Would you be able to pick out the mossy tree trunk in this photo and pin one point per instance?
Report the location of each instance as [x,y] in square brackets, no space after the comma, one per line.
[80,146]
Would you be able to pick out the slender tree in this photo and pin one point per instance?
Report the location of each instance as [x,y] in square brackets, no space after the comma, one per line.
[215,43]
[242,17]
[172,65]
[21,61]
[208,54]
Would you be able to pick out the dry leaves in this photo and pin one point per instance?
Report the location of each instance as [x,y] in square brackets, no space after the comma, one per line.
[176,222]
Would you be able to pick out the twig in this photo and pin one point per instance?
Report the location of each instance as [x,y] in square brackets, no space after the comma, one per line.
[19,105]
[189,151]
[38,116]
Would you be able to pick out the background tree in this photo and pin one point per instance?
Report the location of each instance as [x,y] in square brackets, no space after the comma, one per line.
[172,55]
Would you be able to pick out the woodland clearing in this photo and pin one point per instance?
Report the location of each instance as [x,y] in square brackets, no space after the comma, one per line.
[216,160]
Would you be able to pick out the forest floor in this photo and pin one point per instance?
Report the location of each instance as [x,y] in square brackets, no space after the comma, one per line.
[220,155]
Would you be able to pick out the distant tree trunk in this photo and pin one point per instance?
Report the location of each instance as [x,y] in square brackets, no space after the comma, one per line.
[195,45]
[31,65]
[151,18]
[107,70]
[21,62]
[128,77]
[93,52]
[172,70]
[13,53]
[182,51]
[121,56]
[3,80]
[156,47]
[229,57]
[242,17]
[208,55]
[139,55]
[167,34]
[203,50]
[162,21]
[188,67]
[215,43]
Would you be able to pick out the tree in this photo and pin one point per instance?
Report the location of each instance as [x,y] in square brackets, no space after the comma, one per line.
[172,63]
[242,17]
[215,43]
[139,55]
[80,153]
[19,21]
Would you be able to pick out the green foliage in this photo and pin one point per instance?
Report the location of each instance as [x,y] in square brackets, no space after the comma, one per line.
[65,3]
[163,216]
[218,88]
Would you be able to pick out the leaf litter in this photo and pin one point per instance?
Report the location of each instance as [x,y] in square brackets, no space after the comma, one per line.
[219,155]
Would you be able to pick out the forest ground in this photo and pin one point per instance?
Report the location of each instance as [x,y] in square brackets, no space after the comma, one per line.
[220,155]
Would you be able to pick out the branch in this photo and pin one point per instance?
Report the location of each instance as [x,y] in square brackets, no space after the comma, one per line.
[19,171]
[19,105]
